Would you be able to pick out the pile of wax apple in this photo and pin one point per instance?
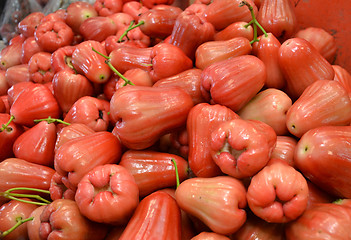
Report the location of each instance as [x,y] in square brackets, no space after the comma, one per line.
[156,119]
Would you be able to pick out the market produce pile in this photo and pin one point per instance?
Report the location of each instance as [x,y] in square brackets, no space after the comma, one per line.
[152,120]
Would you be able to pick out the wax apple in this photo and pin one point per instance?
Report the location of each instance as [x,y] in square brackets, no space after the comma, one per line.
[58,190]
[10,214]
[343,77]
[269,106]
[90,63]
[322,154]
[235,153]
[285,149]
[134,9]
[215,51]
[37,144]
[107,7]
[322,40]
[4,86]
[97,28]
[235,29]
[267,49]
[89,151]
[33,227]
[62,219]
[301,65]
[134,35]
[61,59]
[39,67]
[152,217]
[10,55]
[323,103]
[32,103]
[51,35]
[17,73]
[278,193]
[154,170]
[28,24]
[78,12]
[204,199]
[29,48]
[233,82]
[144,114]
[69,87]
[210,236]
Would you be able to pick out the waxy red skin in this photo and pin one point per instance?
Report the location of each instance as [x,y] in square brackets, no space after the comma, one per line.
[89,151]
[189,80]
[69,87]
[108,194]
[107,7]
[14,91]
[235,29]
[152,217]
[233,82]
[135,36]
[32,103]
[8,137]
[201,121]
[18,73]
[144,114]
[77,12]
[37,144]
[34,225]
[218,202]
[9,212]
[278,193]
[121,19]
[215,51]
[301,65]
[222,13]
[52,35]
[62,219]
[58,190]
[2,106]
[28,24]
[134,9]
[21,173]
[90,111]
[323,103]
[343,77]
[168,60]
[190,30]
[239,148]
[90,63]
[61,59]
[322,221]
[317,195]
[159,20]
[112,43]
[137,76]
[4,86]
[40,68]
[210,236]
[153,170]
[332,145]
[285,149]
[97,28]
[29,48]
[155,3]
[10,55]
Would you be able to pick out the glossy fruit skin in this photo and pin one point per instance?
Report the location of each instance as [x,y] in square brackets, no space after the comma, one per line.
[278,193]
[323,103]
[152,217]
[322,221]
[37,144]
[39,67]
[323,153]
[29,48]
[285,149]
[155,3]
[107,7]
[51,35]
[20,173]
[34,225]
[97,28]
[235,29]
[210,236]
[343,77]
[301,65]
[215,51]
[239,148]
[201,121]
[10,55]
[203,198]
[62,219]
[233,82]
[144,114]
[108,194]
[61,59]
[77,12]
[223,13]
[34,102]
[10,212]
[153,170]
[89,63]
[28,24]
[89,151]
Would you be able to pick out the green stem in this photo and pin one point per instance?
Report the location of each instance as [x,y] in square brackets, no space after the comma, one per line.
[5,126]
[126,81]
[51,120]
[254,22]
[18,196]
[131,27]
[101,54]
[176,170]
[19,222]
